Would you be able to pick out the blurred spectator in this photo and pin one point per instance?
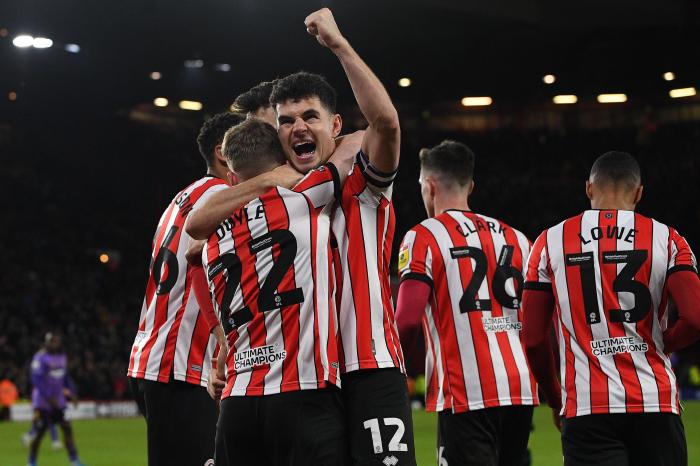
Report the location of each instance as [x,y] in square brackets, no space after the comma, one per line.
[8,397]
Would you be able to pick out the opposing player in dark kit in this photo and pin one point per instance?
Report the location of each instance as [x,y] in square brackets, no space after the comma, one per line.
[607,275]
[461,275]
[49,376]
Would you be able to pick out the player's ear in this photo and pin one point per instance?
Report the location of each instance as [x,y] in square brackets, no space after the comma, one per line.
[232,178]
[218,154]
[589,190]
[638,194]
[337,123]
[471,187]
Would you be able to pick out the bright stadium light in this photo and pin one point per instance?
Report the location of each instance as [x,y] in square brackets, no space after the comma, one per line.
[12,96]
[194,63]
[23,41]
[155,75]
[612,98]
[669,76]
[104,258]
[72,48]
[549,79]
[225,67]
[565,99]
[684,92]
[476,101]
[160,102]
[42,43]
[190,105]
[405,82]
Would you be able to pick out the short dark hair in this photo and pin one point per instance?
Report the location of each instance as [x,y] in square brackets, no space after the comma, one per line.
[255,98]
[251,146]
[302,85]
[451,159]
[212,133]
[615,168]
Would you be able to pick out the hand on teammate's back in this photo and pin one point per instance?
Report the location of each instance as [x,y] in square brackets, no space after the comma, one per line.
[285,176]
[321,24]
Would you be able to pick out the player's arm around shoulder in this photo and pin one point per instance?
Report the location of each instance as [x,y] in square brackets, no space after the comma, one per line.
[383,136]
[202,221]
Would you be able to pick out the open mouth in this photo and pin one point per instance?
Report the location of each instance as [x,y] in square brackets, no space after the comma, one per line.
[305,150]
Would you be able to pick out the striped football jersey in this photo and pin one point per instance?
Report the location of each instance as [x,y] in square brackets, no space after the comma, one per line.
[607,270]
[173,336]
[475,265]
[270,275]
[363,227]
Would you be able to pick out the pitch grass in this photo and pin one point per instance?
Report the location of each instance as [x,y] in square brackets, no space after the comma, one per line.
[122,442]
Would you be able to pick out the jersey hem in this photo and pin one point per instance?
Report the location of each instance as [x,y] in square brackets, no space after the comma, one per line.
[201,381]
[371,364]
[463,408]
[284,388]
[630,409]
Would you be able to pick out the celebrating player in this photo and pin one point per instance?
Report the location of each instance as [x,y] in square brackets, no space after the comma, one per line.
[270,272]
[462,273]
[374,385]
[609,273]
[170,357]
[49,374]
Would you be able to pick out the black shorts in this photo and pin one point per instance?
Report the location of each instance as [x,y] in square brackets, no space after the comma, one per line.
[181,422]
[645,439]
[44,417]
[485,437]
[379,422]
[301,428]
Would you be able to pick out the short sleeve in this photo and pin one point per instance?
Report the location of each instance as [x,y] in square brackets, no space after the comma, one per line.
[680,256]
[415,258]
[321,186]
[537,275]
[213,189]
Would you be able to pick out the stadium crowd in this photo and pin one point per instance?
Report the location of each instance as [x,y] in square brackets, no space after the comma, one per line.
[52,278]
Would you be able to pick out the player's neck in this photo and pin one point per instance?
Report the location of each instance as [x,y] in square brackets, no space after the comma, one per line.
[452,201]
[612,202]
[217,172]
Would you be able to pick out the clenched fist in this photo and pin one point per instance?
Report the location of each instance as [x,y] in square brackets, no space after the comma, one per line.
[321,24]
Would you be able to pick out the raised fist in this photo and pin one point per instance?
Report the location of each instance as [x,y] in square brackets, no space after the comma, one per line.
[321,24]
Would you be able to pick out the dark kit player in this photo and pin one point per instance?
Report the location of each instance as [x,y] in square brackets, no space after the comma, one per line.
[607,275]
[461,275]
[49,377]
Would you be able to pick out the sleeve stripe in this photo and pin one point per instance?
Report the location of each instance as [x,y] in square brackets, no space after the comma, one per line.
[681,268]
[336,180]
[538,286]
[418,276]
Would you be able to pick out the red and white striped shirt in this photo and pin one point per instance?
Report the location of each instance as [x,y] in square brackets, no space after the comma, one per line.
[474,354]
[608,270]
[269,269]
[173,335]
[363,226]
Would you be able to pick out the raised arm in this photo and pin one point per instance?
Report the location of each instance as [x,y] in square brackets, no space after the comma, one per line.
[382,140]
[202,222]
